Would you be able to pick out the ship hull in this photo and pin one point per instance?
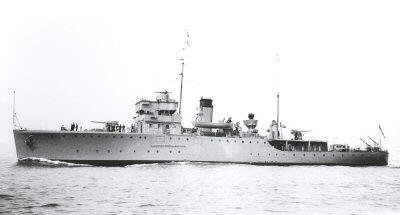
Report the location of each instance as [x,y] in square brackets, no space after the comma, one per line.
[120,149]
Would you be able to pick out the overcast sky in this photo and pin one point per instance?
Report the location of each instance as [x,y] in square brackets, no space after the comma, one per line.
[77,61]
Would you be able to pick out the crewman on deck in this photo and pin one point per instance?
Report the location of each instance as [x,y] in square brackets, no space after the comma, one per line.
[73,126]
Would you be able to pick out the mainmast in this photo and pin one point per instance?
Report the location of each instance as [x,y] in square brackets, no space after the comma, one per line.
[180,94]
[277,115]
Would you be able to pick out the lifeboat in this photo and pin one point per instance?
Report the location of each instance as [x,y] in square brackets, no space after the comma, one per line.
[220,125]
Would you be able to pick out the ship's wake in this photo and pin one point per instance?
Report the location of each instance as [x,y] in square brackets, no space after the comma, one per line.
[43,162]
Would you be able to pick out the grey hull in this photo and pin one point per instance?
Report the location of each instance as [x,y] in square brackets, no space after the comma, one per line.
[119,149]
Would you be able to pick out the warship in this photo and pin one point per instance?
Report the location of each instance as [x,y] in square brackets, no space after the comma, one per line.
[156,135]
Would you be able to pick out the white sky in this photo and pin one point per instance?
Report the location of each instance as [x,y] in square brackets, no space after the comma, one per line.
[91,60]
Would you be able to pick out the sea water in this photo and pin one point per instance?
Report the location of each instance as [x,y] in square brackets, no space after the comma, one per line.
[40,186]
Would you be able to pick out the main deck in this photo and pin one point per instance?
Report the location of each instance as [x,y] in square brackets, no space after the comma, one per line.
[118,149]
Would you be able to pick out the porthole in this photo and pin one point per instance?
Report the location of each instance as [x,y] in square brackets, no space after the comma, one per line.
[276,154]
[242,141]
[333,155]
[211,140]
[314,155]
[251,153]
[140,137]
[75,135]
[265,142]
[134,150]
[77,151]
[257,142]
[179,138]
[106,136]
[227,141]
[323,155]
[249,141]
[304,155]
[120,151]
[258,154]
[122,136]
[148,151]
[98,136]
[157,151]
[269,154]
[97,151]
[219,140]
[145,137]
[342,155]
[179,151]
[63,135]
[84,136]
[170,138]
[130,137]
[170,151]
[294,154]
[108,151]
[91,136]
[234,141]
[187,139]
[283,154]
[114,136]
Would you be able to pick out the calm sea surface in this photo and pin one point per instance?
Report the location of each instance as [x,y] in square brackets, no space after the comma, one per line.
[44,187]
